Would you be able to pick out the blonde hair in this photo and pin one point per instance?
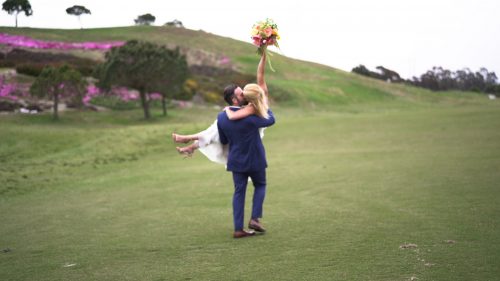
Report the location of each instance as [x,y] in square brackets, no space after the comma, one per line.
[254,94]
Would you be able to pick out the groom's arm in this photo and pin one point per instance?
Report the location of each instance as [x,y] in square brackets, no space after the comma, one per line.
[263,122]
[260,74]
[222,137]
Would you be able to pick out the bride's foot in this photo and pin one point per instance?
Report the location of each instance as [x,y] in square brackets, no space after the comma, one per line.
[180,138]
[187,151]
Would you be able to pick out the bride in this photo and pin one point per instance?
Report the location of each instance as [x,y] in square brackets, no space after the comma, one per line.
[252,99]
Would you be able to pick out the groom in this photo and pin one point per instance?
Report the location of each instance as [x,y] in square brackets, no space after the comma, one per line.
[246,158]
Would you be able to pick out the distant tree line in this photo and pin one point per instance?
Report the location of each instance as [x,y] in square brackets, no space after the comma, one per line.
[440,79]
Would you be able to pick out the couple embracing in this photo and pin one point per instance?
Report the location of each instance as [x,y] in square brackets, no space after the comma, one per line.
[235,139]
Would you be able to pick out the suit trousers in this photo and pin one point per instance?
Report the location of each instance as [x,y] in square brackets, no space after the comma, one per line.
[240,187]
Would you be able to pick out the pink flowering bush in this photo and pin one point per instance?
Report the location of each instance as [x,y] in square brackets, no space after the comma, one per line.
[92,91]
[224,61]
[155,96]
[7,91]
[116,98]
[28,42]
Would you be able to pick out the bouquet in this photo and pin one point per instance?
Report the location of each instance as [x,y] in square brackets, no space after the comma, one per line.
[265,33]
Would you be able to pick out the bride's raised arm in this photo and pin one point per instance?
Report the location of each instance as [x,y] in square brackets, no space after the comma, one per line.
[261,81]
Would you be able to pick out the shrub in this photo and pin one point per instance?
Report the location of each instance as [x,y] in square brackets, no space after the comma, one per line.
[188,90]
[9,64]
[32,69]
[31,63]
[212,97]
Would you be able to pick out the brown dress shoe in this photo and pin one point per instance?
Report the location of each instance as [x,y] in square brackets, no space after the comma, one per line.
[255,225]
[243,233]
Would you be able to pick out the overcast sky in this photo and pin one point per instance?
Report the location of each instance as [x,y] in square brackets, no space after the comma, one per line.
[408,36]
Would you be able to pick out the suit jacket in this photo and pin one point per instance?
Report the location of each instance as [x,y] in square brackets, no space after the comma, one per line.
[246,151]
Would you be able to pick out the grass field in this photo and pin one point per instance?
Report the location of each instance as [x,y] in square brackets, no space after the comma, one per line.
[105,196]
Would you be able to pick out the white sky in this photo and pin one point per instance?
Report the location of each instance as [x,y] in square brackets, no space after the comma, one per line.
[408,36]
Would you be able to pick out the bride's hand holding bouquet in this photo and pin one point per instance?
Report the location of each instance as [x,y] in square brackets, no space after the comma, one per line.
[265,33]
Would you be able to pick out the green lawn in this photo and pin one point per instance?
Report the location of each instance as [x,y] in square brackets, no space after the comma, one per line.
[105,196]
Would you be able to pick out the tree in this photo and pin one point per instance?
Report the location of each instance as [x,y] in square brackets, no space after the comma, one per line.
[491,81]
[146,19]
[77,11]
[177,74]
[429,80]
[175,23]
[146,67]
[444,78]
[58,83]
[388,75]
[17,6]
[382,73]
[362,70]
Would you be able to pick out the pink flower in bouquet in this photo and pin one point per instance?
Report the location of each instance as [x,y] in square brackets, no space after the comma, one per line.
[268,31]
[257,41]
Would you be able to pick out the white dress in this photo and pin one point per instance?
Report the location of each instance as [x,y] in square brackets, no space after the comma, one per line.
[210,145]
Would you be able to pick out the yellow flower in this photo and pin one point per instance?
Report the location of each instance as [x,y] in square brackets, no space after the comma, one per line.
[255,31]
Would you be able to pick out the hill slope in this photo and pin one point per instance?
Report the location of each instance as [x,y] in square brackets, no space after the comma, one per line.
[297,82]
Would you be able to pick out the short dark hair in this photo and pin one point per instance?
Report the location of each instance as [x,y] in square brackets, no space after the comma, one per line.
[229,93]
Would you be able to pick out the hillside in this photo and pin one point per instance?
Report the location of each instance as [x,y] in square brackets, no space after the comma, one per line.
[295,82]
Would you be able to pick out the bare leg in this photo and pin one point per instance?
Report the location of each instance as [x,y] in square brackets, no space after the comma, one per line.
[189,149]
[183,138]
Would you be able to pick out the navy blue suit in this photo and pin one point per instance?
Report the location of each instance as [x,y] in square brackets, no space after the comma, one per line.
[247,158]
